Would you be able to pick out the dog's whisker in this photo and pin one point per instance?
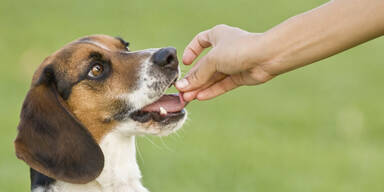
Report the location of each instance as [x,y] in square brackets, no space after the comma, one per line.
[177,135]
[153,143]
[139,152]
[166,146]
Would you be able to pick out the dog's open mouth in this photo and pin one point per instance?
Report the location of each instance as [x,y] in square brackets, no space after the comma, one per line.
[166,108]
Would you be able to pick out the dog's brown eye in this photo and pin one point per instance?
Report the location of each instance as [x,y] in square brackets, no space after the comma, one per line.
[96,70]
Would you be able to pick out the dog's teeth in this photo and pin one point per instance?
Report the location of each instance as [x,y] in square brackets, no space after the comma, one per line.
[163,111]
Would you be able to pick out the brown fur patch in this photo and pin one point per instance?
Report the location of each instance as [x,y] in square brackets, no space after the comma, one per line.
[92,102]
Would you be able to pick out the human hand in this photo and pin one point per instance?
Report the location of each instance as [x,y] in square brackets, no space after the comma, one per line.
[229,64]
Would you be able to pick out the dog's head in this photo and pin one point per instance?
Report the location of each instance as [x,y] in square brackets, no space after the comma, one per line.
[87,89]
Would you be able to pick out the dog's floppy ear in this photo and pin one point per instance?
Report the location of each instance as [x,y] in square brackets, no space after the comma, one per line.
[51,140]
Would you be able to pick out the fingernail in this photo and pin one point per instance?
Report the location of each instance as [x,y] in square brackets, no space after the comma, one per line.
[183,83]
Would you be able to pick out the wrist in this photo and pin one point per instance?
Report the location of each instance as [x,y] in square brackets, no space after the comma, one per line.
[261,53]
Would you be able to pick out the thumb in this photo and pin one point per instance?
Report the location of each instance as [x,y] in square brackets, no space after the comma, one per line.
[199,75]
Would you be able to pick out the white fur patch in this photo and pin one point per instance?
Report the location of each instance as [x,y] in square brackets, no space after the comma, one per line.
[141,96]
[121,171]
[39,189]
[98,44]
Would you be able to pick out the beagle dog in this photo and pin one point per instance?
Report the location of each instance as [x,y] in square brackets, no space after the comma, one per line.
[86,104]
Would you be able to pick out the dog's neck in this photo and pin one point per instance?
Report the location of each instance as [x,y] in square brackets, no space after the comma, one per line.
[121,171]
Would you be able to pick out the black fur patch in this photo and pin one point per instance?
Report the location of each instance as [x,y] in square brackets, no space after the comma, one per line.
[63,87]
[39,180]
[122,41]
[123,110]
[85,39]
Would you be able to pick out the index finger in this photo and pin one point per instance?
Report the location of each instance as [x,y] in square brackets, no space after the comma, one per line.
[195,47]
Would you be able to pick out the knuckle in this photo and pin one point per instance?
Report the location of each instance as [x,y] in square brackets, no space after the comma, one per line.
[237,80]
[261,77]
[217,31]
[194,78]
[218,28]
[262,80]
[201,37]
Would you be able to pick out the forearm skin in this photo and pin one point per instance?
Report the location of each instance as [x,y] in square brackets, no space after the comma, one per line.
[317,34]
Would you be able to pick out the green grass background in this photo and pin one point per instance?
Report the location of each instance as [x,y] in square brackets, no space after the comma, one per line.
[319,128]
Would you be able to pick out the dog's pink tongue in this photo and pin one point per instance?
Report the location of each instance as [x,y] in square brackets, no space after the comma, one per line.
[171,103]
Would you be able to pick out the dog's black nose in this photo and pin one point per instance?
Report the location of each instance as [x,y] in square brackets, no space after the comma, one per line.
[166,57]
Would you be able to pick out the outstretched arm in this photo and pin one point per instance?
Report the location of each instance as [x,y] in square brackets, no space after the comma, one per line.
[240,58]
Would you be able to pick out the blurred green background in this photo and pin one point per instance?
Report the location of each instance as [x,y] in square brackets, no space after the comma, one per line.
[319,128]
